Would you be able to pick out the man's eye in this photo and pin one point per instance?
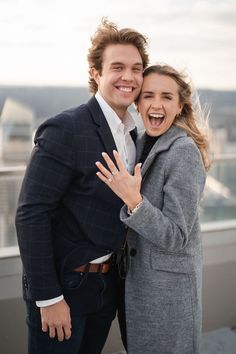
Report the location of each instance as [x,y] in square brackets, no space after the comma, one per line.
[137,70]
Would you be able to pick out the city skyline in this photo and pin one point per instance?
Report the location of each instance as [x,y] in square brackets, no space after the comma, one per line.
[46,42]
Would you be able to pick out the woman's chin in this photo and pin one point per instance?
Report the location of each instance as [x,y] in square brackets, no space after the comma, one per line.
[153,132]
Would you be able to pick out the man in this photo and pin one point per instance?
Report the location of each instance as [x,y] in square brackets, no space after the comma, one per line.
[67,220]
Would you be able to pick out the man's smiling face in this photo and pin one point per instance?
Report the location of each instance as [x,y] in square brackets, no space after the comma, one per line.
[121,78]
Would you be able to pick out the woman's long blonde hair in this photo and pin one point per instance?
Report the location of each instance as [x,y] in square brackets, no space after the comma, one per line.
[191,119]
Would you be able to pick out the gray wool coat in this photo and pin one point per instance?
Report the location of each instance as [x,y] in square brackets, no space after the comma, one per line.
[163,285]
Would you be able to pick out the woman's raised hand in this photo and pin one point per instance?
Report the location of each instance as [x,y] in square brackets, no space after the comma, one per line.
[118,179]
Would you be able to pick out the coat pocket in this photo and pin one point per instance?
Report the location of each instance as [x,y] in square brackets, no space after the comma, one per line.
[174,263]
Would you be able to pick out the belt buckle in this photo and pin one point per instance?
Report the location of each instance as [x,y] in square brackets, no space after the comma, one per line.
[104,267]
[101,267]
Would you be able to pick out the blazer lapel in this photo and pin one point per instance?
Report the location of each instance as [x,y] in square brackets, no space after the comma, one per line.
[103,128]
[133,134]
[139,145]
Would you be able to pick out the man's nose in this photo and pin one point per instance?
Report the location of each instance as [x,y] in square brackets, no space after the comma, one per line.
[127,75]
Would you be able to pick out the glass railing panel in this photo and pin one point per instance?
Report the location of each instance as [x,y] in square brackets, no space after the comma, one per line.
[218,204]
[219,200]
[10,182]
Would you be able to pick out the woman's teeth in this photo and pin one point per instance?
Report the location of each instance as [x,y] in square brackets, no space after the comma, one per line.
[156,119]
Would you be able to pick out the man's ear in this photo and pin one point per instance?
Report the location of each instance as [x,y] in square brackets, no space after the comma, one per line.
[94,74]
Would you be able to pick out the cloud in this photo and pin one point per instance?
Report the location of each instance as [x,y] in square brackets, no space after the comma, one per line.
[197,34]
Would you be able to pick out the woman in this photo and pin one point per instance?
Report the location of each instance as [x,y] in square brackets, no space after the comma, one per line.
[163,284]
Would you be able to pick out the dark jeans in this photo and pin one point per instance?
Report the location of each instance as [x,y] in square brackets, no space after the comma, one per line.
[92,298]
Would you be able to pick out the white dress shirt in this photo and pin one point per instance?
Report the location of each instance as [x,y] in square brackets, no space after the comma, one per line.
[120,130]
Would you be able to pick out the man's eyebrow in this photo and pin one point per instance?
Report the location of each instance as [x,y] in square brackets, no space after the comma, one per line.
[138,64]
[120,63]
[117,63]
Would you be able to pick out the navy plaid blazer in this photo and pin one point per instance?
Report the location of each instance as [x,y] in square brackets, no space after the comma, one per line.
[66,216]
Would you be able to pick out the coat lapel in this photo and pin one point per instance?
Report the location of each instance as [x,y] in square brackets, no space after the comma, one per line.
[162,144]
[103,129]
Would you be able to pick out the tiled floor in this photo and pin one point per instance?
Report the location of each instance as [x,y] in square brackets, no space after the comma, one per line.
[220,341]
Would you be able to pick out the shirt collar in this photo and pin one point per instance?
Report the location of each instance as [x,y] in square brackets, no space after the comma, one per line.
[112,118]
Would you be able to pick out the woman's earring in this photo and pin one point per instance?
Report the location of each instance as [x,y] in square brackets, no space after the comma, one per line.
[178,115]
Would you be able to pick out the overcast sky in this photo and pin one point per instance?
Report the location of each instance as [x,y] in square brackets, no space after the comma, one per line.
[45,42]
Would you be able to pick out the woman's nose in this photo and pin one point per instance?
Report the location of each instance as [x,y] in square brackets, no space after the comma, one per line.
[156,104]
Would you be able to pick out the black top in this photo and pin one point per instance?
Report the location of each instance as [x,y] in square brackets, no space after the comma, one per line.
[148,144]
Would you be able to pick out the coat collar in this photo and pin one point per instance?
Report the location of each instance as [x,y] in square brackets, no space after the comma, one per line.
[162,144]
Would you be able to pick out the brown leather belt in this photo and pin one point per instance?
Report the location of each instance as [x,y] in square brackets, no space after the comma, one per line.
[94,267]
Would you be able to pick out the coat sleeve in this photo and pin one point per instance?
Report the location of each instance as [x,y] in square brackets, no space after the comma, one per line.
[169,227]
[48,175]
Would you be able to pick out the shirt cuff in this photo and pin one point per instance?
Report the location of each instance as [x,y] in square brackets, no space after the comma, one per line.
[49,302]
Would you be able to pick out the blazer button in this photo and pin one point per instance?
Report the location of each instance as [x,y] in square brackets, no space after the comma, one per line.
[25,282]
[132,252]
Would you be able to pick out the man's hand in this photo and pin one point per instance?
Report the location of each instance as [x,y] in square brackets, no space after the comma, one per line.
[56,319]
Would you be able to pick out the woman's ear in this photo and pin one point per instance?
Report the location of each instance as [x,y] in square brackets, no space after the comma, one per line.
[180,109]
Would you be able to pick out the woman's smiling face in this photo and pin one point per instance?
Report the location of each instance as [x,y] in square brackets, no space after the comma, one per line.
[159,103]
